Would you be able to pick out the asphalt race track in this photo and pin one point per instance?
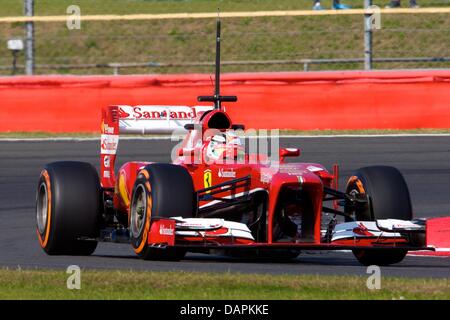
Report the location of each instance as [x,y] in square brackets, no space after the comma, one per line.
[425,162]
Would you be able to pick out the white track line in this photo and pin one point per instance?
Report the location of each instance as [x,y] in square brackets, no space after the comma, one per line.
[400,135]
[71,139]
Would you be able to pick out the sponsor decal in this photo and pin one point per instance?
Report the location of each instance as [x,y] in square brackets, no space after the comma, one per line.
[291,170]
[109,143]
[266,177]
[207,178]
[314,168]
[226,173]
[158,113]
[106,174]
[106,129]
[266,174]
[107,161]
[123,114]
[166,231]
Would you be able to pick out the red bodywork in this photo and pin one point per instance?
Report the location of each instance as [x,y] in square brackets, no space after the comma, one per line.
[310,178]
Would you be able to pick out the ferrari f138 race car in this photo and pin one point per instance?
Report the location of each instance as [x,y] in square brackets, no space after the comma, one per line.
[216,196]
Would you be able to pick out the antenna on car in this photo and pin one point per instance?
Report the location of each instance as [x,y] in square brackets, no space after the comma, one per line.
[217,98]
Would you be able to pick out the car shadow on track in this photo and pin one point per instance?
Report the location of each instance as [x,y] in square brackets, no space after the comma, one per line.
[306,259]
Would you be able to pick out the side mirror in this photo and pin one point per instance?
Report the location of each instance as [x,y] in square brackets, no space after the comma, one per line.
[288,152]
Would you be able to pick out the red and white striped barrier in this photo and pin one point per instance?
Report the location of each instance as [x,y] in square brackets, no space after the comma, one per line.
[287,100]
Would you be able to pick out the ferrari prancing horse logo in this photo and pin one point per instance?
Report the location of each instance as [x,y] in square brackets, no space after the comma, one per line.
[207,179]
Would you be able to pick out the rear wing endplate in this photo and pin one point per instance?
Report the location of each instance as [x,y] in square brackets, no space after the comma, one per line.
[141,119]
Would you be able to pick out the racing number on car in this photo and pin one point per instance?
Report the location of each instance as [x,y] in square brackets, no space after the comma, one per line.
[207,179]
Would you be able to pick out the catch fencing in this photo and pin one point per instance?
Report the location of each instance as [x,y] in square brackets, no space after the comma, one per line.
[141,37]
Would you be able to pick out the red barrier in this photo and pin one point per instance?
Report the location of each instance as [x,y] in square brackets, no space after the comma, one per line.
[437,236]
[289,100]
[438,232]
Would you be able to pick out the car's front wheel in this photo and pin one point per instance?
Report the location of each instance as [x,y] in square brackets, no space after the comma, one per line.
[388,198]
[160,190]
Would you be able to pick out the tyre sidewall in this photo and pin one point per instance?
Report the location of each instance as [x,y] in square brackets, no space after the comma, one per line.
[388,198]
[139,240]
[387,192]
[170,193]
[74,208]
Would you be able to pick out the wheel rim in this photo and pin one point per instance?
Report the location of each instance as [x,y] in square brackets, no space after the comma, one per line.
[42,208]
[355,188]
[353,192]
[138,211]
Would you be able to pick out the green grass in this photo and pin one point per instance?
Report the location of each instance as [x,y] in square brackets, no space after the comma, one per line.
[37,284]
[268,38]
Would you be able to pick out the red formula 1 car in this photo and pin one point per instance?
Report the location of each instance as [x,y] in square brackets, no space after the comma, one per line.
[217,196]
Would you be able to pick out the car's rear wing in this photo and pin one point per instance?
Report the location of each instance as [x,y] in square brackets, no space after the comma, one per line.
[141,119]
[155,119]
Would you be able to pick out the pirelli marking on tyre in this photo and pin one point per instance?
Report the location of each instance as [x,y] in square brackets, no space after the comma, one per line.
[44,208]
[139,232]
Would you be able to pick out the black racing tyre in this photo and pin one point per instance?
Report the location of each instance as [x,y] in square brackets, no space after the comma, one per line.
[389,198]
[387,191]
[160,190]
[68,208]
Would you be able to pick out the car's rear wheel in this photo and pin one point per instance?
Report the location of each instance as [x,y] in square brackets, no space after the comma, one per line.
[160,190]
[388,198]
[68,208]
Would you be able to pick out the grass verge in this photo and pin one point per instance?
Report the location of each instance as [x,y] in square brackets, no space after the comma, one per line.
[192,40]
[40,284]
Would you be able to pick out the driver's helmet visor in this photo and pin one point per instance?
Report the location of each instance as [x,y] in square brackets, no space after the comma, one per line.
[225,146]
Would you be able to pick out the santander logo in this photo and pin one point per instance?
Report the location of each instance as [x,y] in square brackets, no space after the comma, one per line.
[109,143]
[166,231]
[123,113]
[159,113]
